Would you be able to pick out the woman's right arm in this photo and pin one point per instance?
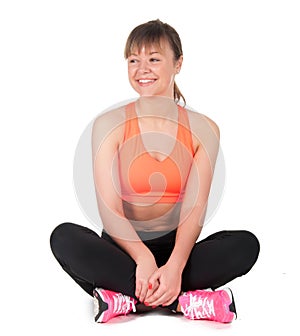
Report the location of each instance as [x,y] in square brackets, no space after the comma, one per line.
[106,135]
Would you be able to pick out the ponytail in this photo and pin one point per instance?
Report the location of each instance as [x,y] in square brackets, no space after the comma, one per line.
[178,95]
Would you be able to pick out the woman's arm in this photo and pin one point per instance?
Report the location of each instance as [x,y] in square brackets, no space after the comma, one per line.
[192,215]
[106,135]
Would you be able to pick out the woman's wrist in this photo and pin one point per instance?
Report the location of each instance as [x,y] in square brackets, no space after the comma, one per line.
[176,262]
[143,255]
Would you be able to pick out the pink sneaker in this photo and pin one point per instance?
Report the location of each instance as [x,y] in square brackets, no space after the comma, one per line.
[208,305]
[108,304]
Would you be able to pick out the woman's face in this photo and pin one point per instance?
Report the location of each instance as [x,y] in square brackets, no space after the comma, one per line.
[151,71]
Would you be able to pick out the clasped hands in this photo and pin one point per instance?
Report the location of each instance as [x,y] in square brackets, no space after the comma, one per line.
[157,286]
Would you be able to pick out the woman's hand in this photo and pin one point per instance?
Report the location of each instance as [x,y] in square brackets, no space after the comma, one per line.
[145,267]
[169,279]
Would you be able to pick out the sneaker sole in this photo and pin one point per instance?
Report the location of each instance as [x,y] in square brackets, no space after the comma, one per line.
[100,305]
[232,307]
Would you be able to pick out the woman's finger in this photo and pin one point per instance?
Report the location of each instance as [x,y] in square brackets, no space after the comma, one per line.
[169,302]
[158,301]
[155,297]
[137,290]
[143,292]
[154,277]
[151,289]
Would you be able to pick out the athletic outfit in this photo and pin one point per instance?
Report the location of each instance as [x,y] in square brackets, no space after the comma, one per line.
[137,167]
[95,261]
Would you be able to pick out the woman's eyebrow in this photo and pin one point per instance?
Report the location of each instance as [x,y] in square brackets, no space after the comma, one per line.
[150,53]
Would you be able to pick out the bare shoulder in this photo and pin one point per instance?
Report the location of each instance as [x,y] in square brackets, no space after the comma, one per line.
[109,126]
[110,119]
[200,123]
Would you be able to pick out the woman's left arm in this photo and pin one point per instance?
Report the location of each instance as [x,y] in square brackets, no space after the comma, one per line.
[192,216]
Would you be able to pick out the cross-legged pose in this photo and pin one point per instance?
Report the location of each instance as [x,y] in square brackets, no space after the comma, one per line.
[153,164]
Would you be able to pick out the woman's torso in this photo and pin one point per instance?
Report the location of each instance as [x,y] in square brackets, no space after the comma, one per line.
[157,216]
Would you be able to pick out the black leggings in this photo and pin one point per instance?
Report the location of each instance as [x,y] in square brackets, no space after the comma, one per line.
[94,261]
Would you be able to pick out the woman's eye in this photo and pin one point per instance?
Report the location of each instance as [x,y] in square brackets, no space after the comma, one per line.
[132,61]
[154,60]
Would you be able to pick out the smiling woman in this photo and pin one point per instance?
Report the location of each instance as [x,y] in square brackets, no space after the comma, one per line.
[154,55]
[152,71]
[153,164]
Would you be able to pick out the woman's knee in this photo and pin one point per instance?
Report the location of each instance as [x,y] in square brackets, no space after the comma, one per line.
[59,235]
[250,245]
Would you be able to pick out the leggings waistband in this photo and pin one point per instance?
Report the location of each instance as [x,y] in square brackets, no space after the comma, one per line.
[150,237]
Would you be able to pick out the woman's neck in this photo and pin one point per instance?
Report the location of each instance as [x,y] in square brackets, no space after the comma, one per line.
[156,106]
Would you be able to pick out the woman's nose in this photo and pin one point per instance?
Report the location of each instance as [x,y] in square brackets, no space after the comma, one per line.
[144,67]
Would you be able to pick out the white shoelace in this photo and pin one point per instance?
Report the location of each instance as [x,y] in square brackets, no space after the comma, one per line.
[123,304]
[199,308]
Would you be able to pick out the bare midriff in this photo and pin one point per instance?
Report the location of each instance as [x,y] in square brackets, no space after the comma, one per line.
[153,217]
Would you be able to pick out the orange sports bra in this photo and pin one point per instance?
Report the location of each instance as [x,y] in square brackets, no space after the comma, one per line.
[143,178]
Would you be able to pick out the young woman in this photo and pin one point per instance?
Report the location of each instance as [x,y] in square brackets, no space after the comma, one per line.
[153,166]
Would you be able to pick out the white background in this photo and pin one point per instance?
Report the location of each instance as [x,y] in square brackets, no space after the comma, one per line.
[62,64]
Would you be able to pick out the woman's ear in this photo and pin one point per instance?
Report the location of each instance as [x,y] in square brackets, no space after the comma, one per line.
[179,64]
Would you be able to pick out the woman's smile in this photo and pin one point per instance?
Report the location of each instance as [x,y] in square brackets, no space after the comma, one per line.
[146,82]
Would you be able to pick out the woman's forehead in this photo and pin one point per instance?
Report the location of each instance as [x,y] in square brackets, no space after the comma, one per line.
[149,47]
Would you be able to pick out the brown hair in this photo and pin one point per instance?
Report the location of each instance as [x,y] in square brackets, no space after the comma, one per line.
[153,32]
